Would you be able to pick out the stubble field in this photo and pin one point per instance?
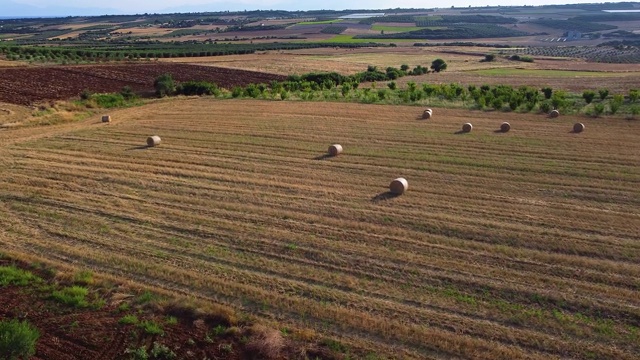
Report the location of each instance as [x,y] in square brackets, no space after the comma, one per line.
[519,245]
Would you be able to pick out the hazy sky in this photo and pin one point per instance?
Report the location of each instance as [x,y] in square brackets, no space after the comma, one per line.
[55,7]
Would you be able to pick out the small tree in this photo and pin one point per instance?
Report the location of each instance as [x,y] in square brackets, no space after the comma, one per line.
[392,85]
[489,58]
[615,103]
[438,65]
[17,339]
[598,109]
[404,67]
[547,91]
[127,93]
[588,96]
[164,85]
[603,93]
[634,95]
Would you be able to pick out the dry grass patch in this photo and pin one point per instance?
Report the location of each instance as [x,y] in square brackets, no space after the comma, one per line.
[236,210]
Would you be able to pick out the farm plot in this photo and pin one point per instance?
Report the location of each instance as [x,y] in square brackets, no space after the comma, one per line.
[26,85]
[506,246]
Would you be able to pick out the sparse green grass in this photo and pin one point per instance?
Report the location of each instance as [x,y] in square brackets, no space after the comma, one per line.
[129,320]
[83,277]
[151,327]
[17,339]
[75,296]
[11,275]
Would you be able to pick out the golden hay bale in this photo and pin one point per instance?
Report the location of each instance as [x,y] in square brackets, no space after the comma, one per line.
[554,114]
[106,118]
[398,186]
[467,127]
[153,140]
[427,114]
[335,149]
[578,127]
[505,127]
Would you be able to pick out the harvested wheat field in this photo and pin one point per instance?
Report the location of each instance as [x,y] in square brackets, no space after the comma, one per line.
[519,245]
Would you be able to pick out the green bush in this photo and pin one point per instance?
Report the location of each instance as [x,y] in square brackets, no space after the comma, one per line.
[198,88]
[616,103]
[598,109]
[127,93]
[164,85]
[547,91]
[603,93]
[438,65]
[108,101]
[17,339]
[588,96]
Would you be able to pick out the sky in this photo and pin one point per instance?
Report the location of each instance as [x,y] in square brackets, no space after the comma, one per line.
[82,7]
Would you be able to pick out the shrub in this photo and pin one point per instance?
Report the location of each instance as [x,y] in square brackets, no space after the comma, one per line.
[127,93]
[17,339]
[198,88]
[588,96]
[603,93]
[108,101]
[615,103]
[558,99]
[545,106]
[392,85]
[438,65]
[164,85]
[598,109]
[85,94]
[236,92]
[547,91]
[489,58]
[634,95]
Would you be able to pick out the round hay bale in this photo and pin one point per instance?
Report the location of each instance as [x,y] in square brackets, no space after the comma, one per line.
[427,114]
[505,127]
[153,140]
[398,186]
[554,114]
[467,127]
[335,149]
[578,127]
[106,118]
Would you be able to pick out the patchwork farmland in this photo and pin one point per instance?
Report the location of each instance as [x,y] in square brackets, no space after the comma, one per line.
[518,245]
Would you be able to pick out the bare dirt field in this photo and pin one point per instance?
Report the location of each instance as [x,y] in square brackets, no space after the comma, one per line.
[518,245]
[27,85]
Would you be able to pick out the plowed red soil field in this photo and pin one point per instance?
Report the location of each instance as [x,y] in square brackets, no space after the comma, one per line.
[28,85]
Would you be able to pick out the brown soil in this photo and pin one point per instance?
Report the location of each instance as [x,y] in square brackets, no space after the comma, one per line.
[28,85]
